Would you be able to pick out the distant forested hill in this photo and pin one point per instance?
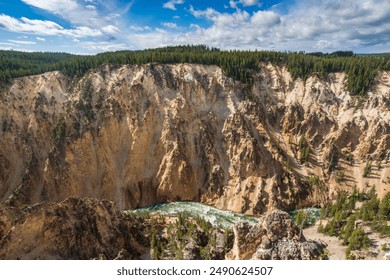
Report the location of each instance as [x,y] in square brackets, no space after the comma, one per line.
[239,65]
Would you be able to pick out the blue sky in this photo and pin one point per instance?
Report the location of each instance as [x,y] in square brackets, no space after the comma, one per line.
[93,26]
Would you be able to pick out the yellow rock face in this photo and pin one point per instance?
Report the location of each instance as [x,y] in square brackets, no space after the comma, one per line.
[144,134]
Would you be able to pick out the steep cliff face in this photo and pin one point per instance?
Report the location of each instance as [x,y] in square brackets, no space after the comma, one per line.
[74,229]
[143,134]
[348,137]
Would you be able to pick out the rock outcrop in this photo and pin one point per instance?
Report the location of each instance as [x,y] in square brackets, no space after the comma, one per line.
[74,229]
[276,237]
[138,135]
[8,217]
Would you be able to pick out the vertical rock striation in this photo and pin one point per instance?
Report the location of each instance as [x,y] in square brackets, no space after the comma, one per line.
[138,135]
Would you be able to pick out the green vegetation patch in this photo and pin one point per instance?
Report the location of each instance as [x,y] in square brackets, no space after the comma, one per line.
[305,217]
[345,220]
[186,235]
[238,65]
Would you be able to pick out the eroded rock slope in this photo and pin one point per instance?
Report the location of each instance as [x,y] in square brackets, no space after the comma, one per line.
[138,135]
[74,229]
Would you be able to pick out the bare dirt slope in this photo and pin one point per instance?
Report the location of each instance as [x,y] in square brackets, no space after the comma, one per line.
[335,249]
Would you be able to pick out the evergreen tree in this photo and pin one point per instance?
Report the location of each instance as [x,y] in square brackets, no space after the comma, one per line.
[239,65]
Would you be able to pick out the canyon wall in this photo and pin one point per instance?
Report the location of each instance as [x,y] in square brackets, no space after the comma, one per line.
[138,135]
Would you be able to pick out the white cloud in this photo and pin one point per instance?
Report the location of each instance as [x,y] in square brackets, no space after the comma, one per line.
[70,10]
[249,2]
[20,42]
[238,30]
[95,17]
[171,25]
[86,20]
[55,6]
[80,14]
[339,24]
[161,31]
[110,29]
[102,46]
[112,16]
[91,7]
[13,48]
[209,13]
[196,26]
[310,25]
[44,27]
[223,20]
[233,4]
[8,44]
[322,44]
[137,28]
[171,4]
[265,18]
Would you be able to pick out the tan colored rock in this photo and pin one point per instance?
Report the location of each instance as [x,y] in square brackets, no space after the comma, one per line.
[144,134]
[74,229]
[8,217]
[275,237]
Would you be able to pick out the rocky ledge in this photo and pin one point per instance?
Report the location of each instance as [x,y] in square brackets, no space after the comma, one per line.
[275,237]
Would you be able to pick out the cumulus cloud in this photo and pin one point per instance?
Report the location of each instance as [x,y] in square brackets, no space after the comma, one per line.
[341,24]
[88,19]
[91,7]
[70,10]
[238,30]
[249,2]
[102,15]
[171,4]
[137,28]
[309,25]
[56,6]
[233,4]
[171,25]
[44,27]
[110,29]
[102,46]
[265,18]
[209,13]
